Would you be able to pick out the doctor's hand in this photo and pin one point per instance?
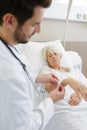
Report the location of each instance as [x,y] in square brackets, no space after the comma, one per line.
[47,78]
[57,94]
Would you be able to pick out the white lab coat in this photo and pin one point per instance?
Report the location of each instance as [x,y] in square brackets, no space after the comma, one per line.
[16,96]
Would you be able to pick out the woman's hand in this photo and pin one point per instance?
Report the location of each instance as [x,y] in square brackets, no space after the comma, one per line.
[74,99]
[77,86]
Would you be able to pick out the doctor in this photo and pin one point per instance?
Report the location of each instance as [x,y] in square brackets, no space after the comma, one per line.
[19,20]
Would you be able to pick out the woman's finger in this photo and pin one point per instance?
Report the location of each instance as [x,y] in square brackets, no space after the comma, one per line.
[83,90]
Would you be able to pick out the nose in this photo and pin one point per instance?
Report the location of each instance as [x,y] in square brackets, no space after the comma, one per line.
[54,56]
[38,28]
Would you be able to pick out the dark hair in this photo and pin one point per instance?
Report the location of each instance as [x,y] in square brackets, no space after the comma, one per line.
[21,9]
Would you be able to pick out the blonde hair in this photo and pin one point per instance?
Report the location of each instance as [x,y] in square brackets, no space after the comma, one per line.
[53,48]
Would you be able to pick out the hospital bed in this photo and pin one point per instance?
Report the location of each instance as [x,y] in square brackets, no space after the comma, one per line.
[32,53]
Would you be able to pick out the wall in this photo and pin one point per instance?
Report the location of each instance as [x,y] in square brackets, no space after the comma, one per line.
[54,29]
[81,48]
[76,36]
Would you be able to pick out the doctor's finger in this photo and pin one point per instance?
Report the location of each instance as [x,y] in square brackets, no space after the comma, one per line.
[54,76]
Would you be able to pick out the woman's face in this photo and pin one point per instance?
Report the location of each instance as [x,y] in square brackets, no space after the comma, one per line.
[53,58]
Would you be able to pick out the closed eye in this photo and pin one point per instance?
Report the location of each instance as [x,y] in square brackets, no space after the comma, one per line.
[55,53]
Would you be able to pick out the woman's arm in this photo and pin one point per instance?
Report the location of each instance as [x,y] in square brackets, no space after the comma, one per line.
[73,83]
[76,86]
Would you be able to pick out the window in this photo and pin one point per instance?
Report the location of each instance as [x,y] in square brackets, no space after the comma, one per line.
[58,10]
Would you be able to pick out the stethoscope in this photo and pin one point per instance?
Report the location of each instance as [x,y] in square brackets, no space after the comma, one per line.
[22,64]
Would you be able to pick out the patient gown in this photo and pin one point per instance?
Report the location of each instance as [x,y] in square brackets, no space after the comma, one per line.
[68,117]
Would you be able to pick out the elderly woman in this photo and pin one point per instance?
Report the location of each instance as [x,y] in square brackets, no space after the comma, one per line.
[69,112]
[53,57]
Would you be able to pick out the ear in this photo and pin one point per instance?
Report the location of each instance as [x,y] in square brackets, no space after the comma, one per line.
[9,20]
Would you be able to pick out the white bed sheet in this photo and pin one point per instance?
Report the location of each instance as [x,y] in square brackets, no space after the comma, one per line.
[68,117]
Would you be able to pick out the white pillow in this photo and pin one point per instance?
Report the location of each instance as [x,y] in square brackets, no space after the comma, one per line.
[75,59]
[33,52]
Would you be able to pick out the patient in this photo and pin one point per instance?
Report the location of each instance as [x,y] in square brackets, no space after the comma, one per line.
[53,57]
[73,117]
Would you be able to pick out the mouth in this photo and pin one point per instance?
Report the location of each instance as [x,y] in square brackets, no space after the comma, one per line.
[54,60]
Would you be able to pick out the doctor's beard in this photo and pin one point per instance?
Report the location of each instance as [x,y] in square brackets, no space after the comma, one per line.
[20,36]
